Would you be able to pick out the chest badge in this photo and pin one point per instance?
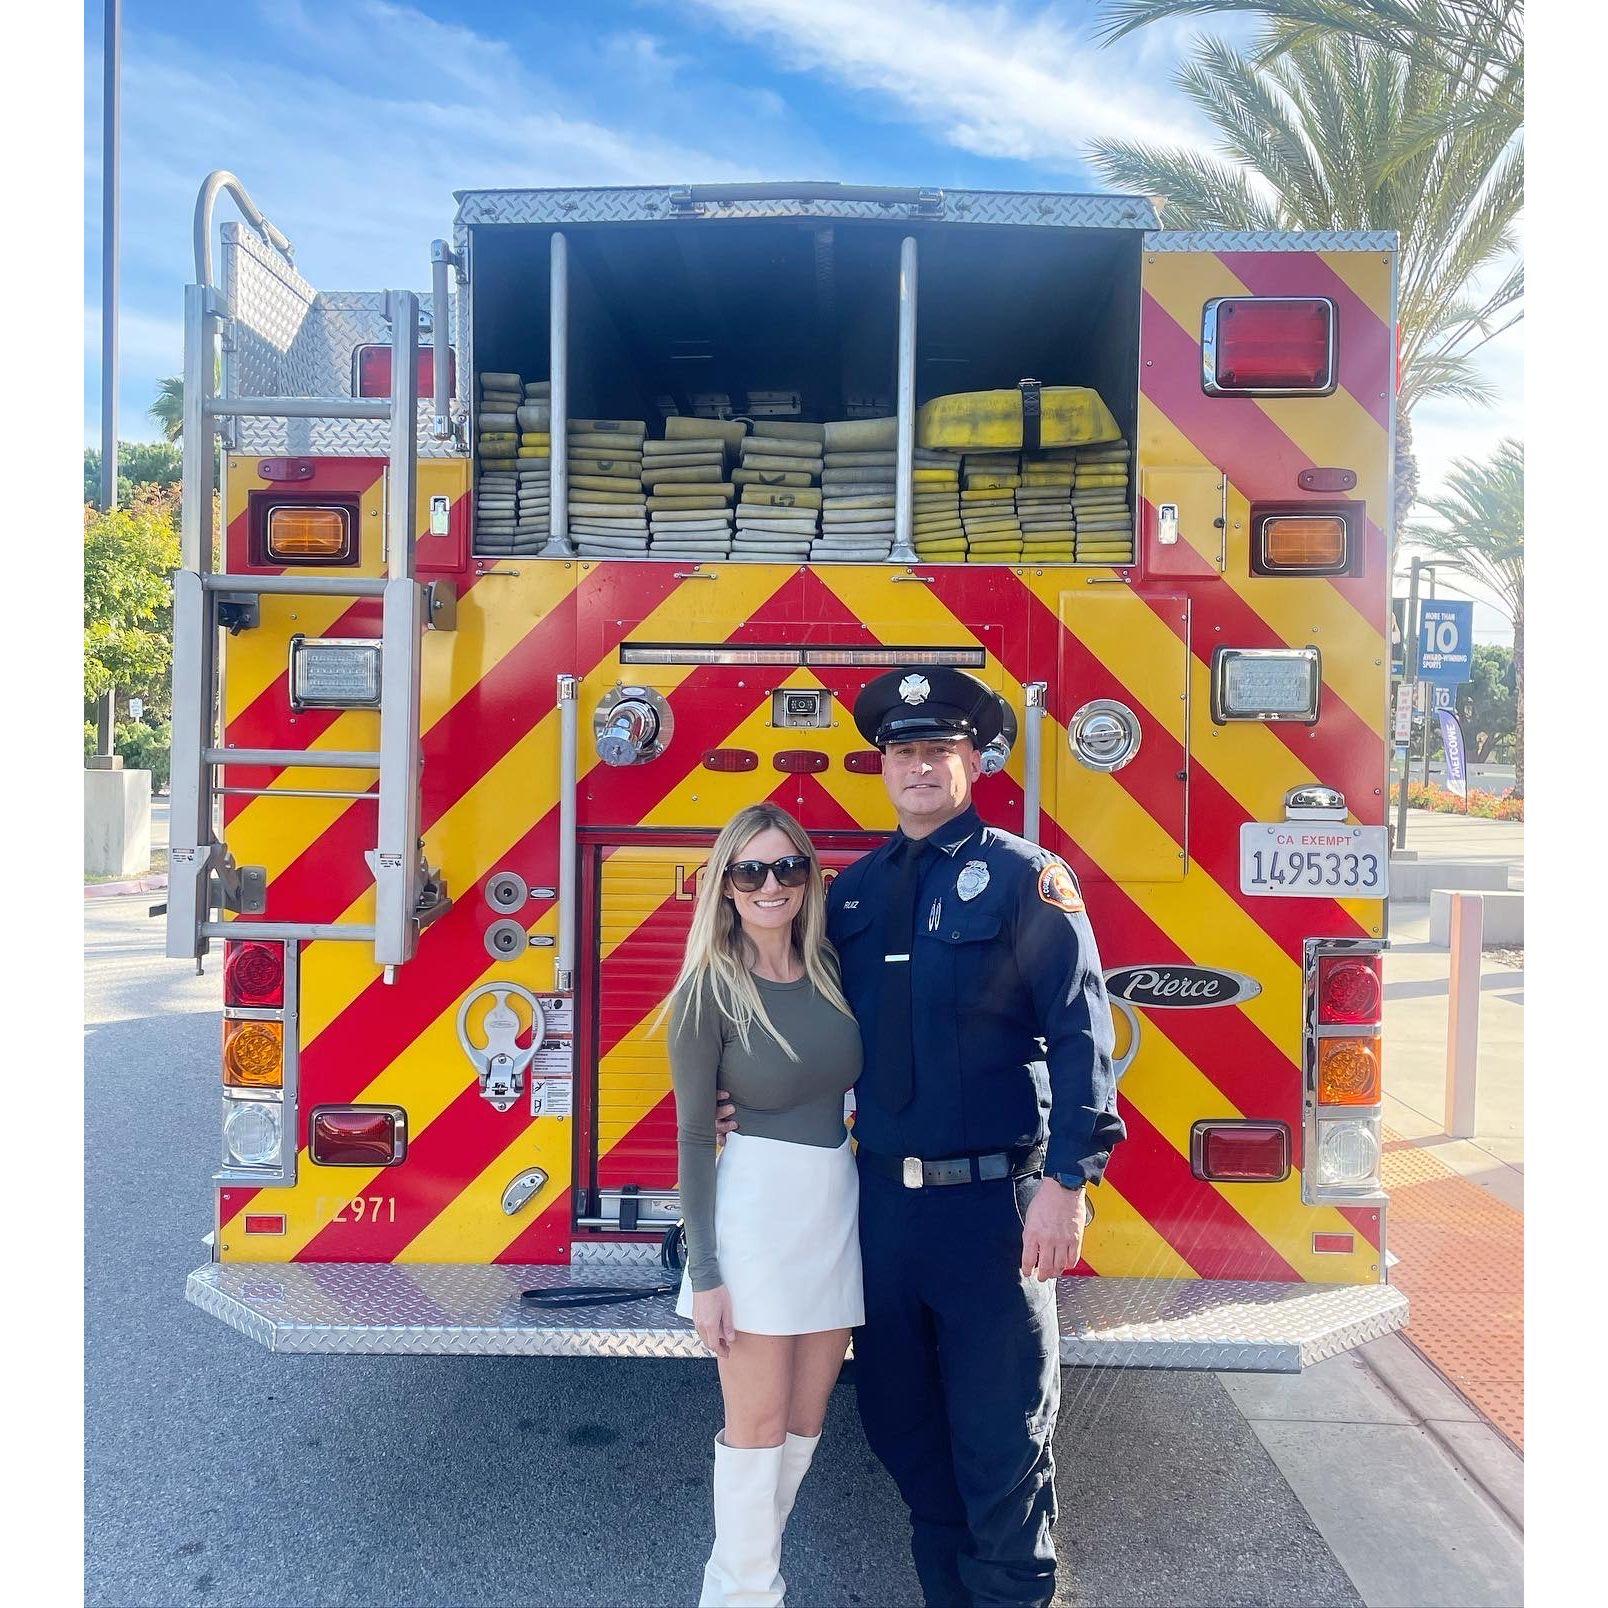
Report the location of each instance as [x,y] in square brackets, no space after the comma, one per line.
[915,689]
[972,880]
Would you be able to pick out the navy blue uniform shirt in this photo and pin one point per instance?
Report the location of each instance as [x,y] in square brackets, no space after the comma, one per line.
[1012,1027]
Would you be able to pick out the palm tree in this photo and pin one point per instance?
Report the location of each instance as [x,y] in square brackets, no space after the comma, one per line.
[168,408]
[1479,529]
[1306,137]
[1477,46]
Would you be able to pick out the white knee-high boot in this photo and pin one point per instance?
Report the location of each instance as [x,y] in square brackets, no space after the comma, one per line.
[798,1452]
[743,1568]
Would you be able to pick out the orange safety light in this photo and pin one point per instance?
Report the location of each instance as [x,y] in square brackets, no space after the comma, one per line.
[1311,542]
[298,532]
[253,1055]
[1348,1071]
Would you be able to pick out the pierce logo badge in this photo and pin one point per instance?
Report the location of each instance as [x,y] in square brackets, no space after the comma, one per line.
[1177,988]
[915,689]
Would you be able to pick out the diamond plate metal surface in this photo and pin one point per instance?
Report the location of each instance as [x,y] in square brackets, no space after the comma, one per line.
[1271,240]
[286,339]
[459,1310]
[647,204]
[614,1253]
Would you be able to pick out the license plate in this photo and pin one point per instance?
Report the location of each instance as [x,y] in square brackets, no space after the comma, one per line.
[1305,860]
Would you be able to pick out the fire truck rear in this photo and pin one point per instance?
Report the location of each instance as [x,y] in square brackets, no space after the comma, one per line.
[441,800]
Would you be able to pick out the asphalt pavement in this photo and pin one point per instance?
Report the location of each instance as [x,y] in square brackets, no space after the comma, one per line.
[220,1473]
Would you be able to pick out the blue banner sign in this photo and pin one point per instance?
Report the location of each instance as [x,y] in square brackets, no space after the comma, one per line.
[1451,735]
[1446,642]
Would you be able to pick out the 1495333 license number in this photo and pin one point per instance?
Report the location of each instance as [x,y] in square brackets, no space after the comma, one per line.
[1294,859]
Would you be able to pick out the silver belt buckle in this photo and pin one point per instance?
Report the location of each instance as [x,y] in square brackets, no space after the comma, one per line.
[914,1177]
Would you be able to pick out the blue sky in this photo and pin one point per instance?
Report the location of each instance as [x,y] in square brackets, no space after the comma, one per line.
[352,121]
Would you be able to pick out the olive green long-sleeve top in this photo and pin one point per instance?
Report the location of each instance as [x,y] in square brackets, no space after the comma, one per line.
[799,1101]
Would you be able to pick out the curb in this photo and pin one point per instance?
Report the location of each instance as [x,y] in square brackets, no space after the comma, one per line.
[1474,1446]
[109,890]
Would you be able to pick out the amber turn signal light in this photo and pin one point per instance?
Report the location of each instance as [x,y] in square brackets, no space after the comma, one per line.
[253,1055]
[1309,542]
[302,533]
[1348,1071]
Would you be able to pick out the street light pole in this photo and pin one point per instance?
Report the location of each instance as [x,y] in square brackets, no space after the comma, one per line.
[111,119]
[1408,690]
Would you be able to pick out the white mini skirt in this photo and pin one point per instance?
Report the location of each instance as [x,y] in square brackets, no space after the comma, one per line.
[787,1233]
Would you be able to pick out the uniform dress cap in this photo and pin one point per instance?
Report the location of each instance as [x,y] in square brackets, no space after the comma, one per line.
[921,703]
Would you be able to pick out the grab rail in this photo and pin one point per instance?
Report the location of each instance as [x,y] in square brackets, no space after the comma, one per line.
[221,179]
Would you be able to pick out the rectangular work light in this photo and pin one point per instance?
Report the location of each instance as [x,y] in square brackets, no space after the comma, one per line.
[305,533]
[334,673]
[1266,684]
[1268,346]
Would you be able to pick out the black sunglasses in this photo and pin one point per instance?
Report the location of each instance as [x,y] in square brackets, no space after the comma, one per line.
[748,876]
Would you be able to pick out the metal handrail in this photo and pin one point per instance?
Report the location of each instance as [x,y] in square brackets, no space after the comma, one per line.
[221,179]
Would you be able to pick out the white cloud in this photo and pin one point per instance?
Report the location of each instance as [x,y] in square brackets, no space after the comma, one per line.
[998,81]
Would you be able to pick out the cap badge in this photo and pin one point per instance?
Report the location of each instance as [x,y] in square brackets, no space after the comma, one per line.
[972,880]
[914,689]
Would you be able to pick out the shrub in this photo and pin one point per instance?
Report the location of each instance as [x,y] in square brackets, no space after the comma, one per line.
[1507,806]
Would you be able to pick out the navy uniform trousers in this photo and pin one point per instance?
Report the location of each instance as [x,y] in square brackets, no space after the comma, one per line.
[958,1373]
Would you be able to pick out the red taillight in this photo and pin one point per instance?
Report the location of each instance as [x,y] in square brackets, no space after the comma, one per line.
[864,762]
[1275,343]
[373,376]
[357,1136]
[265,1223]
[254,974]
[1349,989]
[1333,1244]
[730,759]
[800,761]
[1240,1152]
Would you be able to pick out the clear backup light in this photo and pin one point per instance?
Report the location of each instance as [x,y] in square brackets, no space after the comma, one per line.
[1348,1154]
[251,1133]
[334,673]
[1266,684]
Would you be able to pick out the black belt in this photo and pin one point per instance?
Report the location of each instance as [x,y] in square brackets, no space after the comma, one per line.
[915,1173]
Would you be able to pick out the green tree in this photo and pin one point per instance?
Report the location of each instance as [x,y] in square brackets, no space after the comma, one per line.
[1310,141]
[1477,46]
[129,554]
[1487,704]
[168,408]
[1477,527]
[140,465]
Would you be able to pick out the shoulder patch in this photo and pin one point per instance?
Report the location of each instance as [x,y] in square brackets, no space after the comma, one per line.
[1057,886]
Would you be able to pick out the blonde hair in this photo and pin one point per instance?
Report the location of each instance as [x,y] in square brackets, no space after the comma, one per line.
[718,953]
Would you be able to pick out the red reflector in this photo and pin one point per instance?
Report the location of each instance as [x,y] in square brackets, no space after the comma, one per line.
[730,759]
[1349,989]
[1274,343]
[356,1136]
[1333,1244]
[800,761]
[1245,1152]
[373,377]
[265,1224]
[285,468]
[253,974]
[864,762]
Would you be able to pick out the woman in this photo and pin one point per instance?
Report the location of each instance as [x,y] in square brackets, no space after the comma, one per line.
[772,1282]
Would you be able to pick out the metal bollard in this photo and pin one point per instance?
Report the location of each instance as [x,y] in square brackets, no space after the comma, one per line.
[1465,939]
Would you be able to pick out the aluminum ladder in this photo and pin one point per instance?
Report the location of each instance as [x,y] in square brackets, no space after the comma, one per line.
[203,878]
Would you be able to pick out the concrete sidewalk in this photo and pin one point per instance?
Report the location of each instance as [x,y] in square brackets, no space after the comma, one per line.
[1455,1220]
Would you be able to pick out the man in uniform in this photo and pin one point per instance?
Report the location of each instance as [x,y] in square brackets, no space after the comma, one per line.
[986,1105]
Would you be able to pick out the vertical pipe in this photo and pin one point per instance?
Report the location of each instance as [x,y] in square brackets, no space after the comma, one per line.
[1430,700]
[111,119]
[400,514]
[1465,939]
[904,551]
[441,336]
[1033,759]
[195,508]
[558,544]
[568,787]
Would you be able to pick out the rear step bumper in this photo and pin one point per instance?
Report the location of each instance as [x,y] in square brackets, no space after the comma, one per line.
[450,1310]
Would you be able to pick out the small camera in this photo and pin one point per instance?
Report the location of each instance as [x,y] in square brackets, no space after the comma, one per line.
[807,706]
